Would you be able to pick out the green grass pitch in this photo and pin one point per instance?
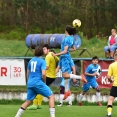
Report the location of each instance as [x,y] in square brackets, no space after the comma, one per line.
[64,111]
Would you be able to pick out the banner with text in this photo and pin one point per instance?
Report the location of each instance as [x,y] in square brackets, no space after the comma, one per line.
[12,72]
[102,80]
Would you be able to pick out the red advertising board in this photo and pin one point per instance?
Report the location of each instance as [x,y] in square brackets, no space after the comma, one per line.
[102,80]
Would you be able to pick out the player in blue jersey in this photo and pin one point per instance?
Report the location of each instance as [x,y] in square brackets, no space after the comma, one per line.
[65,86]
[36,74]
[65,57]
[91,74]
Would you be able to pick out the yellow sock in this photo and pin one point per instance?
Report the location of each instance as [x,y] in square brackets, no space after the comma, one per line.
[109,110]
[39,99]
[35,101]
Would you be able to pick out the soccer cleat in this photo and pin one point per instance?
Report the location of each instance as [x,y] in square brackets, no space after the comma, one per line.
[32,107]
[80,103]
[69,105]
[99,104]
[108,116]
[83,79]
[66,94]
[60,104]
[39,107]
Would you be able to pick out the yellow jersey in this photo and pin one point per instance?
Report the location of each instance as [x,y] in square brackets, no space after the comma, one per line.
[112,71]
[51,64]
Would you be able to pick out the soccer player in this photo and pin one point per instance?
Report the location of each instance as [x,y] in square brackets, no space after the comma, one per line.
[36,74]
[65,86]
[51,63]
[65,57]
[112,77]
[50,75]
[91,74]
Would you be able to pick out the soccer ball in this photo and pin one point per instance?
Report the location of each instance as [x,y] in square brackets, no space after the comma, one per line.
[76,23]
[99,71]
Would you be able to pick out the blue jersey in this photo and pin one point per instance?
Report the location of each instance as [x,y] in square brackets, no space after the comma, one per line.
[35,66]
[91,69]
[67,41]
[35,85]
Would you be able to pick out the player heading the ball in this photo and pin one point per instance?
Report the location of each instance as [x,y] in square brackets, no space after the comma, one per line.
[65,57]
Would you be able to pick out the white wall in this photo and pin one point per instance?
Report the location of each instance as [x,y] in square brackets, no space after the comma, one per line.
[22,96]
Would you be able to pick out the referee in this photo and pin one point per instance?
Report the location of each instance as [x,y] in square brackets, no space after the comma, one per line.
[112,72]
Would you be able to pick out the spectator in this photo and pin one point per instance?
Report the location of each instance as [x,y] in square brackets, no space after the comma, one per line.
[112,44]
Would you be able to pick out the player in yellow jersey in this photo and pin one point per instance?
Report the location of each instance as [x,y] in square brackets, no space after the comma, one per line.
[50,75]
[50,64]
[112,77]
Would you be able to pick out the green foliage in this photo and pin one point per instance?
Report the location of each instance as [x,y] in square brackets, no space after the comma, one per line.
[13,34]
[35,30]
[94,41]
[51,16]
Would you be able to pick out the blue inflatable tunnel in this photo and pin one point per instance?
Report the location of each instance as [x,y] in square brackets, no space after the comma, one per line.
[54,40]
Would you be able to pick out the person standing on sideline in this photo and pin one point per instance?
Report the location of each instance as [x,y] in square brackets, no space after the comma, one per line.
[112,44]
[91,74]
[65,57]
[36,74]
[112,77]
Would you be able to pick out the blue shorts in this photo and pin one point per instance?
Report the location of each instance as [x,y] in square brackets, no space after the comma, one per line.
[112,49]
[65,64]
[92,83]
[39,88]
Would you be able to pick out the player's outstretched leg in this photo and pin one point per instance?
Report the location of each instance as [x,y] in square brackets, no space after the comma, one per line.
[73,76]
[51,106]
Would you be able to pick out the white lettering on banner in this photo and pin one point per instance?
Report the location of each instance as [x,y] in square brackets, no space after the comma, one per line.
[12,72]
[105,80]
